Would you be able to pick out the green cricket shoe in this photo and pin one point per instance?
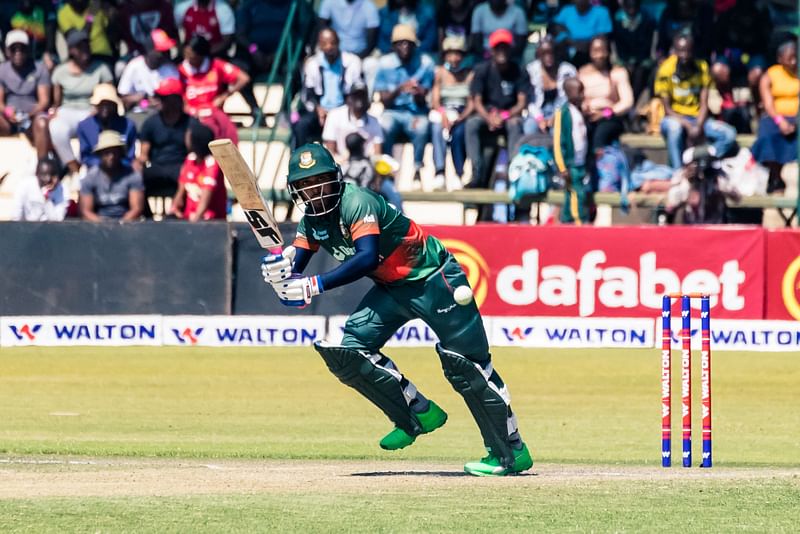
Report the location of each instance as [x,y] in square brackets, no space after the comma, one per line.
[430,419]
[490,466]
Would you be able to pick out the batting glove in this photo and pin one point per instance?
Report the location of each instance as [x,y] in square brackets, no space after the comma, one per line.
[278,267]
[298,290]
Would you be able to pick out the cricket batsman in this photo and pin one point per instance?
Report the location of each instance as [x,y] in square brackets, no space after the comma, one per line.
[415,277]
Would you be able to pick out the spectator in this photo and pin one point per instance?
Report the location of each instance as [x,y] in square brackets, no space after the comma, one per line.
[201,192]
[452,106]
[682,84]
[776,143]
[634,32]
[24,94]
[570,149]
[499,92]
[144,73]
[106,116]
[37,18]
[608,96]
[356,22]
[686,17]
[699,190]
[43,198]
[493,15]
[163,146]
[138,18]
[403,81]
[208,81]
[259,26]
[91,18]
[360,170]
[328,76]
[213,20]
[547,77]
[583,22]
[742,38]
[454,19]
[111,190]
[415,13]
[353,118]
[73,83]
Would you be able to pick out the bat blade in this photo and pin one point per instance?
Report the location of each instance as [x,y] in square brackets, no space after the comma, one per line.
[245,187]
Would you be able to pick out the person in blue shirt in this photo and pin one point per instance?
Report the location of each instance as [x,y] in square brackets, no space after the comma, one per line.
[417,14]
[107,105]
[582,22]
[328,76]
[403,81]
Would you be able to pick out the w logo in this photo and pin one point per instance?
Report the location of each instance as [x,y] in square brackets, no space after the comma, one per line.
[517,334]
[188,336]
[27,332]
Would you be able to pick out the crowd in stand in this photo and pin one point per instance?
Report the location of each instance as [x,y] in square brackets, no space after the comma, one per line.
[481,80]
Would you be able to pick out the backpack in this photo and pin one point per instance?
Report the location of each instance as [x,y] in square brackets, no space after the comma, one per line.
[530,172]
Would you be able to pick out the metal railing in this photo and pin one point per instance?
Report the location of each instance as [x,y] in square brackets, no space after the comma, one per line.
[287,55]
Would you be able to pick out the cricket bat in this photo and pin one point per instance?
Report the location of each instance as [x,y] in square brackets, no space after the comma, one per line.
[245,187]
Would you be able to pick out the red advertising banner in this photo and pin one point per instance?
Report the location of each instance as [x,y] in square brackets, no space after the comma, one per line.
[609,272]
[783,274]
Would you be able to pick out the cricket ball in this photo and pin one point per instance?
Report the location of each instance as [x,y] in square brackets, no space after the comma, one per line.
[462,295]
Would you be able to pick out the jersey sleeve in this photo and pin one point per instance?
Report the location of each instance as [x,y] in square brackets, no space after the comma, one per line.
[227,71]
[301,239]
[209,175]
[361,214]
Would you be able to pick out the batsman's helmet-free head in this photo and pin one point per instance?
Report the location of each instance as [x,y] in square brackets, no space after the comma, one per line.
[315,180]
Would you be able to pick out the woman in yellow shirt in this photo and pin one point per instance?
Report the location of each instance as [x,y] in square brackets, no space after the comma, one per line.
[776,143]
[93,18]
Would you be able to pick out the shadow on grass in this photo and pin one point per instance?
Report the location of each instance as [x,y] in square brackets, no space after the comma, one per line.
[443,474]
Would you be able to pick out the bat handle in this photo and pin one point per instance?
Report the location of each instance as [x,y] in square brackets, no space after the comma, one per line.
[275,251]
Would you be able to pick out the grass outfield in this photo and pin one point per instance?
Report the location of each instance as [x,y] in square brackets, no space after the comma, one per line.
[590,417]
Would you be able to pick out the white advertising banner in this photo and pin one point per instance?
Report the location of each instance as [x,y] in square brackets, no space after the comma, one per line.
[739,334]
[243,331]
[83,330]
[570,332]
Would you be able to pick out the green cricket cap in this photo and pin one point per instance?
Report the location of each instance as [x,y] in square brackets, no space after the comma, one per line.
[310,159]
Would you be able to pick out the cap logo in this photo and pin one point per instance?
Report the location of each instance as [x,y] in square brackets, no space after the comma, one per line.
[306,161]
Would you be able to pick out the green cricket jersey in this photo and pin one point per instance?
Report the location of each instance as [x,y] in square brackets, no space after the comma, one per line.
[406,252]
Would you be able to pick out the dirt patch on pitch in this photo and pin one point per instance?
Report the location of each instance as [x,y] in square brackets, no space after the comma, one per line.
[81,477]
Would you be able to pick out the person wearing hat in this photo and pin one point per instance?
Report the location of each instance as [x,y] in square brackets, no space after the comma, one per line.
[328,76]
[143,73]
[452,106]
[163,147]
[73,84]
[493,15]
[403,81]
[106,116]
[111,190]
[414,277]
[37,19]
[401,11]
[24,93]
[499,91]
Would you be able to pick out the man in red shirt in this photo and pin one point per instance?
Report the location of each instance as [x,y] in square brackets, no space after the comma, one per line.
[201,192]
[213,19]
[208,81]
